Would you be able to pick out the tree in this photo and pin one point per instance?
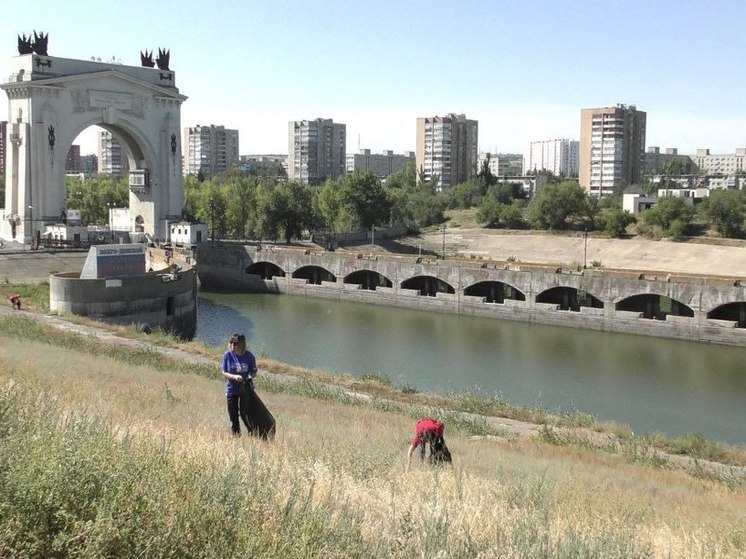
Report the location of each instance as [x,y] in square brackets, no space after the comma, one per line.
[725,210]
[291,206]
[331,207]
[614,221]
[368,200]
[673,215]
[558,206]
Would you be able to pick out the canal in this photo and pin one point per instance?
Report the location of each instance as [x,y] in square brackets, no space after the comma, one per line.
[652,384]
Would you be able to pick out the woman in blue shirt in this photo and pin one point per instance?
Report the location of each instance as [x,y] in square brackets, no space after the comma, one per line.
[239,367]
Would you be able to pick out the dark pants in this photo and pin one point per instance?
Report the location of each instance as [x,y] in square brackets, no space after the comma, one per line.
[254,414]
[236,409]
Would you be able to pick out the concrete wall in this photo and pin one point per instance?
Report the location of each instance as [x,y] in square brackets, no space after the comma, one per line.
[225,267]
[152,299]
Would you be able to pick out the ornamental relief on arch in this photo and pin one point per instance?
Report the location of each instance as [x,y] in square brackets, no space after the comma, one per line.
[86,100]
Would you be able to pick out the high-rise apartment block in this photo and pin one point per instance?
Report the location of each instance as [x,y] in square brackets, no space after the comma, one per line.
[612,148]
[209,150]
[447,148]
[111,157]
[72,163]
[560,157]
[316,150]
[380,164]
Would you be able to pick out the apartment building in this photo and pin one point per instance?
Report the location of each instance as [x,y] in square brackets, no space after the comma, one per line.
[447,149]
[112,159]
[659,162]
[209,150]
[72,163]
[721,164]
[612,148]
[380,164]
[560,157]
[316,150]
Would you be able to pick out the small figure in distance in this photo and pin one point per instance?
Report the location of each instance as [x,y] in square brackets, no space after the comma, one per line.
[15,301]
[429,431]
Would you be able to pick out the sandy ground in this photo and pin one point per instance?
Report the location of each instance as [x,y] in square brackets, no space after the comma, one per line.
[714,257]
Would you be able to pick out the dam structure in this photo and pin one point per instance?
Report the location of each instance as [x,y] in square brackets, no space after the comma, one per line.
[688,307]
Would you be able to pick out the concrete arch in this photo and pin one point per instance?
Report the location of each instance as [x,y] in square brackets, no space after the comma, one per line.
[428,286]
[654,306]
[265,270]
[569,298]
[52,100]
[735,312]
[314,274]
[494,291]
[368,279]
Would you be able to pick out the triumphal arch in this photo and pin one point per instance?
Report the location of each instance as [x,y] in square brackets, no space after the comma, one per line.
[51,100]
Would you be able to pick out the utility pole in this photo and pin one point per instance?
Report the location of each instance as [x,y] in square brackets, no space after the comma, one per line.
[585,246]
[444,241]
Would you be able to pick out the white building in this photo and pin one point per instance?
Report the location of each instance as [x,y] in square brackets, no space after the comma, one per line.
[637,203]
[185,234]
[560,157]
[316,150]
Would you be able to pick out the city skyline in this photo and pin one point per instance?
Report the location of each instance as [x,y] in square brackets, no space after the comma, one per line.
[523,70]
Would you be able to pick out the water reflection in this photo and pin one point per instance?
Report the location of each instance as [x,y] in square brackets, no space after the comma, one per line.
[652,384]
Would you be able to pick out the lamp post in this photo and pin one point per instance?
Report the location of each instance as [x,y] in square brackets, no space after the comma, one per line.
[30,221]
[585,247]
[444,241]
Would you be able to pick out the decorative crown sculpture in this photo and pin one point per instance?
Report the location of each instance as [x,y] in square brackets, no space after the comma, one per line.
[162,60]
[40,43]
[25,45]
[147,59]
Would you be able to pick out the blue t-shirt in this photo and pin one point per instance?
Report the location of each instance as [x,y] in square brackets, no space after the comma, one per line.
[244,365]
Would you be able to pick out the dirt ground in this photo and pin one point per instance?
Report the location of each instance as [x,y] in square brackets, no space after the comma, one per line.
[720,257]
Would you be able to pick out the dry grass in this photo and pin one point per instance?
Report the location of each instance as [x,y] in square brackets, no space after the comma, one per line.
[507,499]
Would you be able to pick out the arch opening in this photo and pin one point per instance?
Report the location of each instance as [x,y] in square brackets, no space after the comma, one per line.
[495,291]
[265,270]
[569,298]
[654,306]
[314,274]
[734,312]
[368,279]
[428,286]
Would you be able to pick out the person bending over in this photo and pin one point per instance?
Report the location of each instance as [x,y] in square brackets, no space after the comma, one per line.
[429,432]
[238,366]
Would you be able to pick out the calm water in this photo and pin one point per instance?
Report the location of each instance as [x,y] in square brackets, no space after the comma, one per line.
[652,384]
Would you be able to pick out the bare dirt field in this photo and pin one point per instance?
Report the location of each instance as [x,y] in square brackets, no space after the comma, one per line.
[719,257]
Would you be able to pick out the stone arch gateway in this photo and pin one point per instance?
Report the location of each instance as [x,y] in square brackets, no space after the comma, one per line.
[51,100]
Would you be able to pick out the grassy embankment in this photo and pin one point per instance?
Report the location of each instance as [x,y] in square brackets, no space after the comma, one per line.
[112,451]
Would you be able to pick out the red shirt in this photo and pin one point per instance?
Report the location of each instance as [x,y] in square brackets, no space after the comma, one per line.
[424,426]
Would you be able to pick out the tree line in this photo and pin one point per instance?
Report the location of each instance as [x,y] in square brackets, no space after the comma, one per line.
[236,205]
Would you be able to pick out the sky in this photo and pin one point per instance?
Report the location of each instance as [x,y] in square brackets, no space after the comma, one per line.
[524,69]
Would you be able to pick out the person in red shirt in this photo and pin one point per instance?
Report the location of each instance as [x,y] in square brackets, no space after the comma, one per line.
[430,431]
[15,301]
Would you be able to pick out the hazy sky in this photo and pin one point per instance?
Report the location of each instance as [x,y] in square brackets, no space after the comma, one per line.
[523,69]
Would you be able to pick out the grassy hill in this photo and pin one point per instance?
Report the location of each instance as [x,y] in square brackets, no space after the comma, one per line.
[109,449]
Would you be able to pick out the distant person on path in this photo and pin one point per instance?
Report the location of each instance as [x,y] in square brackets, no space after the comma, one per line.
[429,431]
[15,301]
[239,368]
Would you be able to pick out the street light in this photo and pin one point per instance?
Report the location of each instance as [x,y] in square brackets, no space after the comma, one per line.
[444,241]
[585,246]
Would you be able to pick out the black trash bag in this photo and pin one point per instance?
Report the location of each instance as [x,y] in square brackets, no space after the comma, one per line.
[261,422]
